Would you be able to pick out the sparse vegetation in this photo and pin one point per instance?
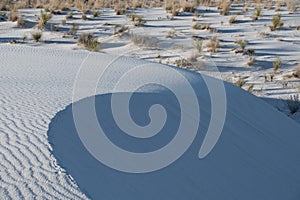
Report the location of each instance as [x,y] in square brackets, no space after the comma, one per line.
[171,33]
[96,14]
[89,42]
[197,26]
[293,103]
[277,64]
[13,15]
[240,83]
[291,5]
[251,61]
[225,7]
[73,29]
[276,22]
[21,22]
[297,72]
[43,19]
[242,43]
[213,44]
[37,36]
[144,41]
[232,19]
[198,45]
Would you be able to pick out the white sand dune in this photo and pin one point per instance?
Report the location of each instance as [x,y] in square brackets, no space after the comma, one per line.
[257,156]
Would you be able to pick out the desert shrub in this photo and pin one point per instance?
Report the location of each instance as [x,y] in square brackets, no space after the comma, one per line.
[250,88]
[44,18]
[37,36]
[120,30]
[144,41]
[213,44]
[225,8]
[171,33]
[196,13]
[293,103]
[297,71]
[140,21]
[197,26]
[242,43]
[291,5]
[13,15]
[188,8]
[73,29]
[84,17]
[96,14]
[249,52]
[232,20]
[276,22]
[89,42]
[21,22]
[277,64]
[251,61]
[198,45]
[63,22]
[182,62]
[69,15]
[258,11]
[240,83]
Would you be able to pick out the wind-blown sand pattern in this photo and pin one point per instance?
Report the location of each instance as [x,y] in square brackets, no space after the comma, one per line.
[35,84]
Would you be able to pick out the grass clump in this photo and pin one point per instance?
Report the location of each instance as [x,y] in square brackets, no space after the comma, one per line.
[144,41]
[198,45]
[240,83]
[96,14]
[291,6]
[213,44]
[44,18]
[232,20]
[89,42]
[242,43]
[277,64]
[293,103]
[37,36]
[251,61]
[276,22]
[73,29]
[225,8]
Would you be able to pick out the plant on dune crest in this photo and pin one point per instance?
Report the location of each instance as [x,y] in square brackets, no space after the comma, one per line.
[43,19]
[277,64]
[240,83]
[37,36]
[293,103]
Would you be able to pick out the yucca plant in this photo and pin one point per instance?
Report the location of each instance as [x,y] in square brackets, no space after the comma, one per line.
[44,18]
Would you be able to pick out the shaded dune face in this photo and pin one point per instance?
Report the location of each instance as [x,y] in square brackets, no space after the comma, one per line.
[256,157]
